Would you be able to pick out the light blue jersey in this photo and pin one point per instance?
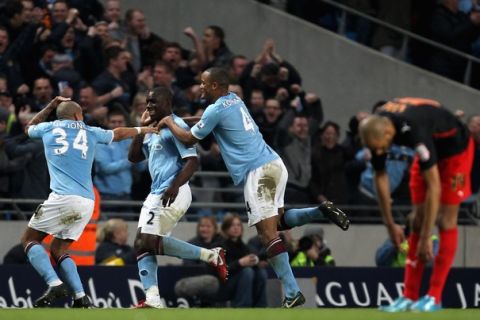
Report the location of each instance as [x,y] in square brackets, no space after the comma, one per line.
[241,144]
[69,149]
[165,154]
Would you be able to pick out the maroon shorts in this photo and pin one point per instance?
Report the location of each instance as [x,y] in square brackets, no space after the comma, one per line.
[454,178]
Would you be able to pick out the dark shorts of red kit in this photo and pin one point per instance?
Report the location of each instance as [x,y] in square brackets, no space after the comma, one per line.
[454,178]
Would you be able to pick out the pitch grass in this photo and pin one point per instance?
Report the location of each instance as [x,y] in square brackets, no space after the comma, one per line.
[231,314]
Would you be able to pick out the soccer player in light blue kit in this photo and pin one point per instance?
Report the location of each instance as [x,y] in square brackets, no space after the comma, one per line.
[171,165]
[69,149]
[252,162]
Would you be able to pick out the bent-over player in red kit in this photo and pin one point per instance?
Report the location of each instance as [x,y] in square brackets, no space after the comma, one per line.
[439,182]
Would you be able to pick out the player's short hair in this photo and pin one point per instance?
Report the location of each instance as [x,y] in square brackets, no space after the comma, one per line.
[372,127]
[67,109]
[220,76]
[217,31]
[162,93]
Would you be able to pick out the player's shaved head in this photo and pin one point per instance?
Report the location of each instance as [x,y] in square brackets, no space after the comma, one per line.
[68,110]
[376,133]
[220,76]
[161,93]
[372,128]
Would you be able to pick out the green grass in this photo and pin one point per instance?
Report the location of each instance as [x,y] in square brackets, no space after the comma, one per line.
[231,314]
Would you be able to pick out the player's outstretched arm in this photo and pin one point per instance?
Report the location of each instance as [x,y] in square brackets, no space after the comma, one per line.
[43,114]
[135,153]
[125,133]
[189,167]
[181,134]
[385,202]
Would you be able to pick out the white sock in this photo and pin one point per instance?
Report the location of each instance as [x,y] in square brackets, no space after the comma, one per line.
[55,283]
[79,295]
[207,255]
[153,296]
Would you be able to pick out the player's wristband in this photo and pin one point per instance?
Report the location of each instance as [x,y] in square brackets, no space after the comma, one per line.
[139,130]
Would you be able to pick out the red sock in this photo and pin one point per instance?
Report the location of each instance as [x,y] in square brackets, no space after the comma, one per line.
[443,262]
[413,269]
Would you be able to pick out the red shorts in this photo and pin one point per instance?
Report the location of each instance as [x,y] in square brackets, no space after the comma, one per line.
[454,178]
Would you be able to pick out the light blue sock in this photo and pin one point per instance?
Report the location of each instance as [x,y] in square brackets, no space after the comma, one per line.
[282,268]
[69,271]
[147,270]
[180,249]
[299,217]
[39,259]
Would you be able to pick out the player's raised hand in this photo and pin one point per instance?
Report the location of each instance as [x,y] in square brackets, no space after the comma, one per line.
[163,123]
[169,196]
[57,100]
[145,119]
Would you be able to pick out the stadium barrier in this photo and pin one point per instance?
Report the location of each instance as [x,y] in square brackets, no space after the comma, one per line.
[119,287]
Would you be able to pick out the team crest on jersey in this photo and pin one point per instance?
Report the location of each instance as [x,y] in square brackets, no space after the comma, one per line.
[458,181]
[157,147]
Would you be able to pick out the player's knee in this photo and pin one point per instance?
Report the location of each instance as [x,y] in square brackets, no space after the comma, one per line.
[146,244]
[57,253]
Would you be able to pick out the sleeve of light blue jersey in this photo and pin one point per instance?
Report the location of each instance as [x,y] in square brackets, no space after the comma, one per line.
[102,136]
[184,151]
[207,123]
[104,163]
[37,131]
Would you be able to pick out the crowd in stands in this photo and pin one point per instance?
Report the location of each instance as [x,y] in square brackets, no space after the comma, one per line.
[454,23]
[106,59]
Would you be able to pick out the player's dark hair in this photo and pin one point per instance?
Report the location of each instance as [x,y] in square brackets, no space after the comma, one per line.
[220,76]
[218,32]
[162,93]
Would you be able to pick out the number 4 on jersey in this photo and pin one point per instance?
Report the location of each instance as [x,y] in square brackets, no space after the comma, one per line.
[80,142]
[247,120]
